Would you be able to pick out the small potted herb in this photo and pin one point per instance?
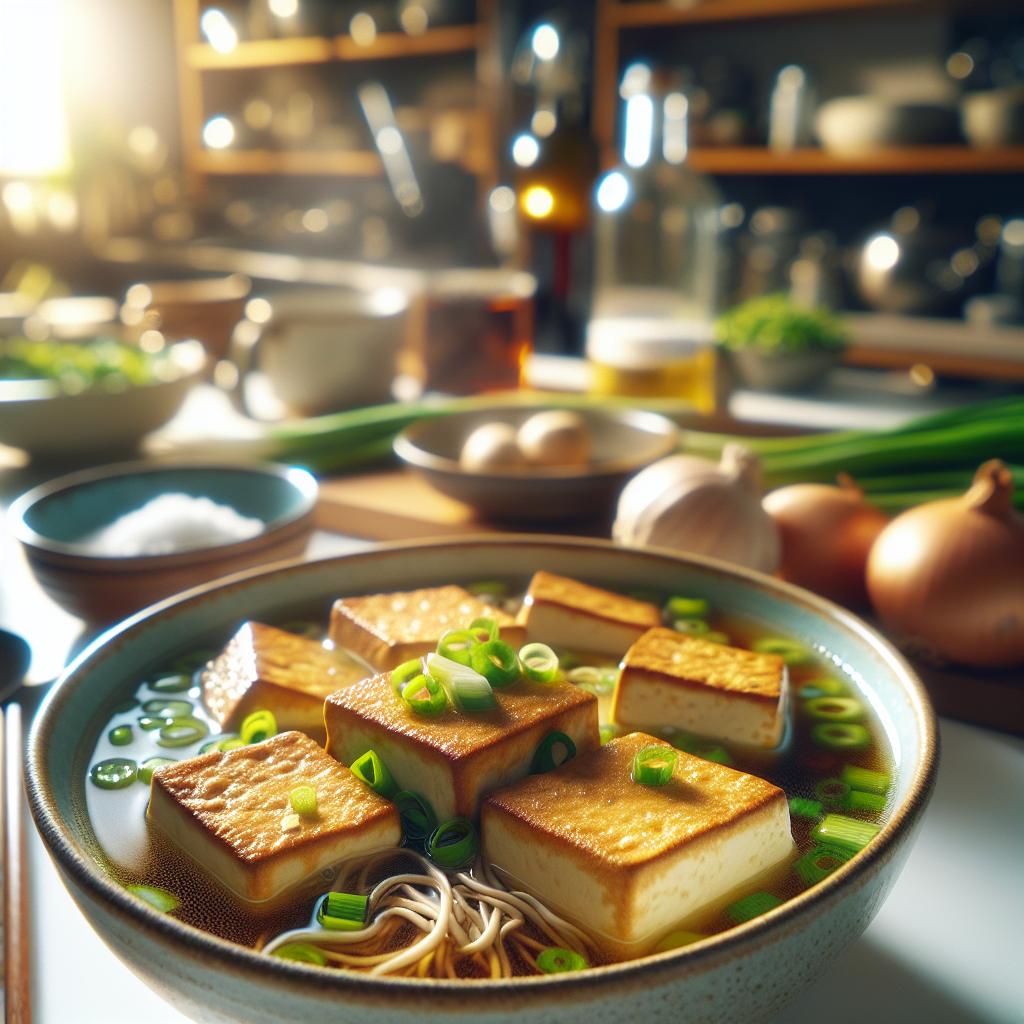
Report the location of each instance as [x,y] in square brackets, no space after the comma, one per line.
[776,345]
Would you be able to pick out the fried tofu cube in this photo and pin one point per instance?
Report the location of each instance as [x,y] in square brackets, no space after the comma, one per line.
[264,667]
[454,759]
[568,614]
[630,862]
[230,812]
[725,693]
[387,629]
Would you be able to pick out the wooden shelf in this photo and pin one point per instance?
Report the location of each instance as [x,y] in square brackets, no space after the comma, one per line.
[350,164]
[266,53]
[650,15]
[895,160]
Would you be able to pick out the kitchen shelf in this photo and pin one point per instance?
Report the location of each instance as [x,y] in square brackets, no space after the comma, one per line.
[268,53]
[346,163]
[894,160]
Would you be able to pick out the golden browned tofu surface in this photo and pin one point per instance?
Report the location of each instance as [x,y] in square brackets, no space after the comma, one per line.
[231,813]
[265,667]
[387,629]
[454,758]
[547,588]
[690,660]
[629,861]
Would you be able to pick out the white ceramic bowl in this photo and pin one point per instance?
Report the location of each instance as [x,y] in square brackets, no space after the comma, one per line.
[742,975]
[851,125]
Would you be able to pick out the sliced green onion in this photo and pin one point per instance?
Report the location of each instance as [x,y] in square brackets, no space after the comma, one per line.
[681,740]
[676,940]
[453,844]
[176,683]
[374,772]
[819,863]
[844,833]
[165,708]
[790,651]
[121,735]
[841,736]
[858,800]
[607,732]
[598,681]
[835,709]
[472,693]
[691,627]
[754,905]
[303,800]
[231,743]
[149,723]
[484,630]
[114,773]
[161,899]
[258,726]
[865,779]
[418,817]
[831,792]
[653,766]
[424,695]
[343,911]
[717,754]
[456,644]
[496,661]
[303,952]
[488,588]
[687,608]
[553,751]
[802,807]
[181,732]
[555,960]
[150,765]
[824,686]
[404,674]
[539,663]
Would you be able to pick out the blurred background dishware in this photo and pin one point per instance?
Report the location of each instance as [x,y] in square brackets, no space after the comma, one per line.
[857,124]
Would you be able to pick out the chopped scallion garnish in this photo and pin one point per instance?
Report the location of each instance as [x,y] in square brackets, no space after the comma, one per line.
[822,687]
[819,863]
[303,800]
[182,732]
[149,723]
[858,800]
[343,911]
[456,644]
[865,779]
[121,735]
[484,630]
[844,833]
[834,709]
[488,588]
[150,765]
[372,770]
[790,651]
[676,940]
[539,663]
[303,952]
[653,766]
[754,905]
[496,661]
[607,732]
[424,695]
[161,899]
[598,681]
[841,735]
[177,683]
[801,807]
[258,726]
[553,751]
[555,960]
[166,708]
[113,773]
[692,627]
[717,754]
[831,792]
[453,844]
[687,608]
[467,688]
[418,817]
[404,674]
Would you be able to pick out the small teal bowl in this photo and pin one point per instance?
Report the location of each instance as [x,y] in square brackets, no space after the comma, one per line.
[54,521]
[745,974]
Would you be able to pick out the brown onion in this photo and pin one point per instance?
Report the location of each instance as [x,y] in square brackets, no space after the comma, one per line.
[951,573]
[826,535]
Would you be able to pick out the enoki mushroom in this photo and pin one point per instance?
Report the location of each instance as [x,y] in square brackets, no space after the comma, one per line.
[467,924]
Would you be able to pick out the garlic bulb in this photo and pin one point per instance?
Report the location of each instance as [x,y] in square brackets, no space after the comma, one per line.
[692,505]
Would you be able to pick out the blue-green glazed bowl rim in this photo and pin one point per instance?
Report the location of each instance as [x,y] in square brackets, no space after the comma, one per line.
[464,996]
[301,483]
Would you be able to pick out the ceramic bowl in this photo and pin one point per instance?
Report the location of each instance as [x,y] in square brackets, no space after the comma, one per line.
[45,421]
[55,520]
[851,125]
[745,974]
[994,117]
[783,371]
[623,442]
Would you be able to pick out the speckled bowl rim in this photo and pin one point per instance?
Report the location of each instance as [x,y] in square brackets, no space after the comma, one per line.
[72,556]
[407,445]
[468,996]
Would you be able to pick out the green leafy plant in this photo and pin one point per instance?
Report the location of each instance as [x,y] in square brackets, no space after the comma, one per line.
[774,323]
[75,366]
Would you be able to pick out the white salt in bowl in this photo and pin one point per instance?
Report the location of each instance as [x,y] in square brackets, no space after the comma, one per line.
[91,567]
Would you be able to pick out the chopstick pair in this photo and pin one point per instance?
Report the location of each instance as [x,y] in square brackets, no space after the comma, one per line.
[14,932]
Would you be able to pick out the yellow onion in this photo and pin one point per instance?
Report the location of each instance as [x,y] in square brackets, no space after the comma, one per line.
[826,533]
[951,573]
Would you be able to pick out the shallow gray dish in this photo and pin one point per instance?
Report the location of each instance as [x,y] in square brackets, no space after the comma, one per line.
[624,440]
[743,975]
